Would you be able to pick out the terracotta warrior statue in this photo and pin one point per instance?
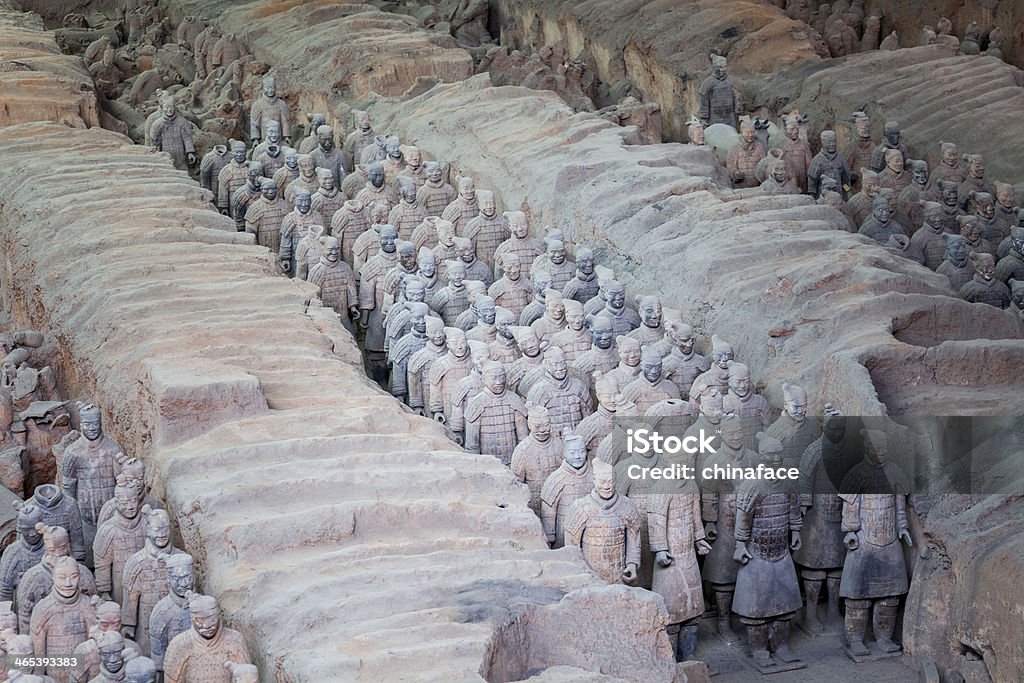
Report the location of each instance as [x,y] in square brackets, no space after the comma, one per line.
[584,286]
[496,419]
[444,250]
[145,580]
[676,536]
[25,552]
[743,159]
[718,504]
[134,472]
[574,340]
[231,177]
[61,621]
[359,138]
[503,348]
[405,347]
[1011,266]
[336,283]
[446,373]
[984,287]
[992,229]
[778,181]
[828,162]
[264,216]
[874,496]
[561,269]
[272,137]
[243,197]
[720,100]
[512,290]
[475,268]
[489,229]
[975,181]
[465,389]
[453,299]
[858,152]
[414,169]
[243,673]
[294,227]
[371,298]
[860,204]
[717,375]
[118,539]
[420,364]
[890,141]
[112,651]
[266,109]
[37,581]
[288,173]
[607,526]
[530,359]
[521,243]
[880,225]
[464,208]
[89,469]
[594,427]
[624,319]
[796,153]
[602,356]
[537,456]
[793,430]
[650,331]
[1006,205]
[566,397]
[394,279]
[928,240]
[328,156]
[61,510]
[306,179]
[895,176]
[651,387]
[751,408]
[956,266]
[108,620]
[553,321]
[909,199]
[199,653]
[630,354]
[394,159]
[140,670]
[210,168]
[486,329]
[327,200]
[768,525]
[948,168]
[377,189]
[349,222]
[408,213]
[173,134]
[682,365]
[572,480]
[435,194]
[1017,298]
[535,309]
[970,230]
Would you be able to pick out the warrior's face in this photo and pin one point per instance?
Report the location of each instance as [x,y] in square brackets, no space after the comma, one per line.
[206,624]
[65,579]
[651,367]
[303,202]
[270,90]
[269,190]
[604,484]
[91,426]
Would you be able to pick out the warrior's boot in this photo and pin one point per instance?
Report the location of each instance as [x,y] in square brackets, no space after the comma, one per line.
[779,634]
[856,623]
[884,624]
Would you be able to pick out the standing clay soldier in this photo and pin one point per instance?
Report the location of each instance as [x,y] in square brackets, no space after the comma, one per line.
[535,309]
[435,195]
[226,51]
[453,299]
[444,250]
[118,539]
[829,163]
[37,581]
[651,387]
[447,372]
[511,290]
[768,525]
[574,339]
[894,176]
[495,418]
[394,159]
[1006,205]
[880,226]
[891,140]
[557,265]
[305,181]
[676,538]
[376,188]
[718,504]
[984,288]
[539,455]
[327,156]
[584,286]
[266,109]
[489,229]
[140,670]
[199,653]
[464,207]
[173,134]
[89,469]
[243,197]
[145,578]
[743,159]
[504,349]
[602,356]
[606,526]
[111,648]
[948,168]
[970,230]
[752,409]
[108,620]
[475,268]
[975,181]
[210,168]
[408,213]
[358,139]
[403,349]
[26,551]
[717,375]
[288,173]
[349,222]
[414,169]
[273,137]
[553,320]
[682,365]
[992,230]
[860,203]
[294,227]
[793,430]
[371,298]
[624,319]
[796,154]
[821,557]
[630,355]
[465,389]
[859,151]
[265,215]
[650,331]
[521,243]
[530,358]
[336,283]
[951,211]
[566,397]
[875,572]
[170,615]
[720,100]
[573,480]
[231,177]
[485,330]
[1011,266]
[778,181]
[61,621]
[909,199]
[62,510]
[327,200]
[394,279]
[956,266]
[420,364]
[928,240]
